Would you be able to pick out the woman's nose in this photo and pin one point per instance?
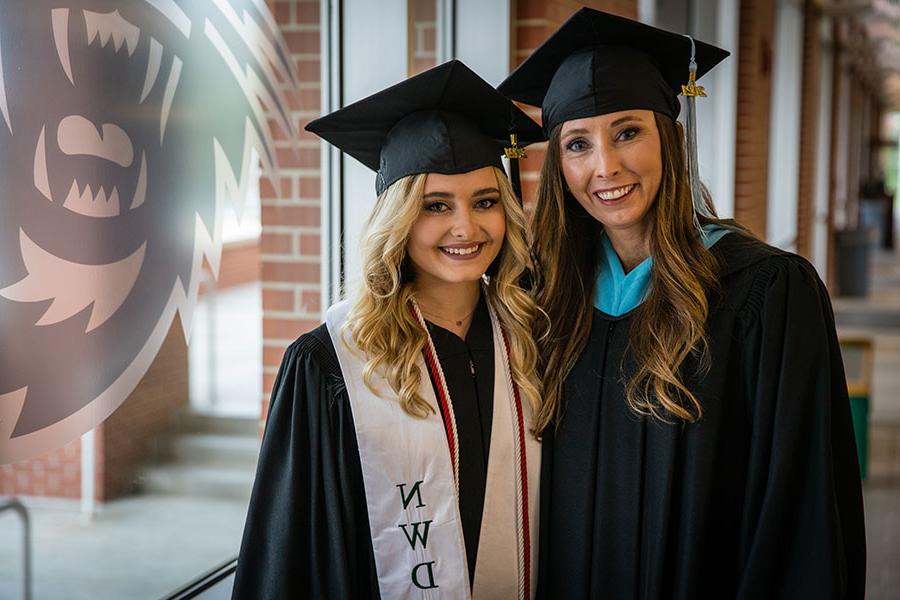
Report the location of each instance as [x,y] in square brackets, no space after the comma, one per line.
[607,163]
[463,224]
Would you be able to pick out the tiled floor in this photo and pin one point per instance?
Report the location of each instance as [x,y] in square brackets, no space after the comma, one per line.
[882,500]
[878,317]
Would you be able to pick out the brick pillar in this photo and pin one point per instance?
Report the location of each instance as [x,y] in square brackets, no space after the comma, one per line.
[291,222]
[751,164]
[809,127]
[422,40]
[533,22]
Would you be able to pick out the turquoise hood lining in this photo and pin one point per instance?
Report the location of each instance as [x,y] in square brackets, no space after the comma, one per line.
[616,293]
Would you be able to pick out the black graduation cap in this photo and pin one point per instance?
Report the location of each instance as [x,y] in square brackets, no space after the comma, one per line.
[597,63]
[446,120]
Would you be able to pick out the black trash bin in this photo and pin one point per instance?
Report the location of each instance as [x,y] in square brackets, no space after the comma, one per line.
[876,213]
[853,248]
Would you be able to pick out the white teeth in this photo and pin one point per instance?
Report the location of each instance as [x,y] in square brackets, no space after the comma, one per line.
[614,194]
[111,26]
[462,251]
[92,205]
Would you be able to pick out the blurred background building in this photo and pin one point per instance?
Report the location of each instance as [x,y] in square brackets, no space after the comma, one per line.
[798,141]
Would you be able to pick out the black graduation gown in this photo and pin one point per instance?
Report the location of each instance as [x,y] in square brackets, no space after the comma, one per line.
[307,530]
[759,499]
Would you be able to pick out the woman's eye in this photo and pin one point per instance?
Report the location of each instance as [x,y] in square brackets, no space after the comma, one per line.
[627,134]
[486,203]
[437,207]
[576,145]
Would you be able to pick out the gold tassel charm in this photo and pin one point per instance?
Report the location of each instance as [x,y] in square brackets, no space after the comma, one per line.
[692,90]
[513,150]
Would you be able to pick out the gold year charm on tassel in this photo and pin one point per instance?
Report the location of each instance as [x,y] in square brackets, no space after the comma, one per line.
[692,90]
[513,151]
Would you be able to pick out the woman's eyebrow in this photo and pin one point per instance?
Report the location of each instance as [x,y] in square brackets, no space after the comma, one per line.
[616,123]
[622,120]
[485,191]
[580,131]
[441,195]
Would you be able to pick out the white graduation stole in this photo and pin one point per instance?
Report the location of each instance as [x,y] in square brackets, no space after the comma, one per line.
[411,490]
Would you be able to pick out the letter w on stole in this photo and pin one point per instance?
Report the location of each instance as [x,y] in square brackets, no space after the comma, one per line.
[417,534]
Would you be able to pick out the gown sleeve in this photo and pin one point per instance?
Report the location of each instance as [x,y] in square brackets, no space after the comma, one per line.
[307,530]
[803,533]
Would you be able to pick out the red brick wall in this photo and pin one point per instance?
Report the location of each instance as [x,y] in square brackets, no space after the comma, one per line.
[754,89]
[291,229]
[533,22]
[125,441]
[56,474]
[809,127]
[422,41]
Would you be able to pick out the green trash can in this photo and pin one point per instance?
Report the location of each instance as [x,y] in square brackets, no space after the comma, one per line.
[858,354]
[859,410]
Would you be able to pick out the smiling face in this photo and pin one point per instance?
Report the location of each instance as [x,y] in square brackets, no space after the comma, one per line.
[460,229]
[613,166]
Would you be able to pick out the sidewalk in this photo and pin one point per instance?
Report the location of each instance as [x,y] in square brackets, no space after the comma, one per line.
[138,547]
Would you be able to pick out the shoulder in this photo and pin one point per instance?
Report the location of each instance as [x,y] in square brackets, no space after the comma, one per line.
[314,344]
[739,253]
[313,351]
[309,383]
[754,274]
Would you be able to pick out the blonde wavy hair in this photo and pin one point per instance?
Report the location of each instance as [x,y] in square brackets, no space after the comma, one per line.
[391,337]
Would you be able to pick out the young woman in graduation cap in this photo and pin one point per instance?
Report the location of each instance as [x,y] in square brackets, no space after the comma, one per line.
[696,429]
[398,459]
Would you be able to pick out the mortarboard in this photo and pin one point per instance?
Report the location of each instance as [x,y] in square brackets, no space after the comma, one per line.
[597,63]
[445,120]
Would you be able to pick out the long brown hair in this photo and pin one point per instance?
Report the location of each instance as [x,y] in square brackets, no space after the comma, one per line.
[667,328]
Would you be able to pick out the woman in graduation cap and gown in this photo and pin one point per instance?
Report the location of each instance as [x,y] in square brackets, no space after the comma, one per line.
[398,459]
[696,428]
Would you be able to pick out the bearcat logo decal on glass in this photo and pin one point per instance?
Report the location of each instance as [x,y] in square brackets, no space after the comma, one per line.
[125,127]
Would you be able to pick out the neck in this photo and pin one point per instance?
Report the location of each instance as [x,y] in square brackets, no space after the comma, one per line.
[632,246]
[449,305]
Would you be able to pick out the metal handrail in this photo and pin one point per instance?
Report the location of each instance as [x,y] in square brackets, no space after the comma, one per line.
[16,506]
[212,578]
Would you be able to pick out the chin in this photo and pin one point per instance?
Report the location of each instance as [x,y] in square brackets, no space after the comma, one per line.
[462,277]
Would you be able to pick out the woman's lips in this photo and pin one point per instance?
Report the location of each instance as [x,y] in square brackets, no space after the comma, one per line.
[462,252]
[614,196]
